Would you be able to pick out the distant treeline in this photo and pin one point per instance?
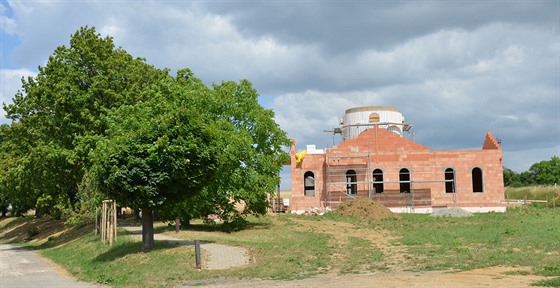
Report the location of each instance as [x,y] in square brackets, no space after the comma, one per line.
[541,173]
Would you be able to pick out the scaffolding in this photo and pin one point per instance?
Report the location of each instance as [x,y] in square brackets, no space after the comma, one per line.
[352,177]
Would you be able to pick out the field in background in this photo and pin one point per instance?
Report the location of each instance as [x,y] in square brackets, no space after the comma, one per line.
[546,196]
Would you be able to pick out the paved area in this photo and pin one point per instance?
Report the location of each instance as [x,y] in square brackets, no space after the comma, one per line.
[218,256]
[22,268]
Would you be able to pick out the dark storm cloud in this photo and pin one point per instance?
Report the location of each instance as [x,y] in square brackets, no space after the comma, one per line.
[348,27]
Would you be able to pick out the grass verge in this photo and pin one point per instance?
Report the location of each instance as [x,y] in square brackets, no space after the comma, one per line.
[520,237]
[292,247]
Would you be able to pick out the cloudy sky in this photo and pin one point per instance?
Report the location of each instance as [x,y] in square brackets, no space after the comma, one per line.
[455,69]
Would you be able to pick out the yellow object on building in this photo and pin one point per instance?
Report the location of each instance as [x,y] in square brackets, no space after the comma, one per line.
[300,156]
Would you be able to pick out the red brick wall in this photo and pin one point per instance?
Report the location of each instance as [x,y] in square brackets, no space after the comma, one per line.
[390,152]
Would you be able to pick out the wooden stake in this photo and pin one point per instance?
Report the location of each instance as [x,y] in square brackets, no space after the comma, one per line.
[103,222]
[96,220]
[197,254]
[115,219]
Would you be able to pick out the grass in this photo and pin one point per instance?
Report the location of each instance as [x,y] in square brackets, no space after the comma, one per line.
[546,193]
[123,264]
[280,250]
[519,237]
[293,247]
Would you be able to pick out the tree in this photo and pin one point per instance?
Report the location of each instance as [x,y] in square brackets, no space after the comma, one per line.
[252,145]
[189,149]
[251,154]
[546,172]
[63,108]
[14,159]
[157,152]
[511,178]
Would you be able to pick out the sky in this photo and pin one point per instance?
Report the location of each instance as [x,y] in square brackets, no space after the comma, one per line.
[454,69]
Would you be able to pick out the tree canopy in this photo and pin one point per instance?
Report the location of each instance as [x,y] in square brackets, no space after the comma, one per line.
[97,123]
[541,173]
[63,106]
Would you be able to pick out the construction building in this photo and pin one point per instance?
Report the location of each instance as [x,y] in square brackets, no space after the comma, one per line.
[376,160]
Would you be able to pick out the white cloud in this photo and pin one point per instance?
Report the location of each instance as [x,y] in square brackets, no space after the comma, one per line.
[10,83]
[8,24]
[453,76]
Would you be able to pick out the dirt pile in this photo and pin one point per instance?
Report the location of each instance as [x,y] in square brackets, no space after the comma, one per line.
[452,212]
[365,208]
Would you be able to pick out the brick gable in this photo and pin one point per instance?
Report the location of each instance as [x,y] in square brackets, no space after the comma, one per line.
[490,142]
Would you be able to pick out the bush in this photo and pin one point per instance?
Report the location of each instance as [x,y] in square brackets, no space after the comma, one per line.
[32,232]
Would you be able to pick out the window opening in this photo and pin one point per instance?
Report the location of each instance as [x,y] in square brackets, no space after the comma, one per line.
[378,180]
[404,179]
[477,183]
[373,118]
[309,184]
[449,180]
[351,185]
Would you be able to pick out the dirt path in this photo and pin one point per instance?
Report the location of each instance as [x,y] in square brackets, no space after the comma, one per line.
[394,259]
[395,263]
[490,277]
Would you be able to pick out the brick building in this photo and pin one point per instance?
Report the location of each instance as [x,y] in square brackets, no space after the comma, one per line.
[375,160]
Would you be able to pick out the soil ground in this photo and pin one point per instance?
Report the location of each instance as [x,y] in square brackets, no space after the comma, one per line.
[488,277]
[394,265]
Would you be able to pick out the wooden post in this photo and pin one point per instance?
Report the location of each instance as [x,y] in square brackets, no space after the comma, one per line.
[115,219]
[103,222]
[96,220]
[108,222]
[177,224]
[197,254]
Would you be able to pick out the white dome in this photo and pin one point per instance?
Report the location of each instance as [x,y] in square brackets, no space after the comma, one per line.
[357,120]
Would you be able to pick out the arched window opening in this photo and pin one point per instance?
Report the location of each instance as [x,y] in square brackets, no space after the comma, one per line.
[404,179]
[395,129]
[351,185]
[378,181]
[449,180]
[309,184]
[374,118]
[477,183]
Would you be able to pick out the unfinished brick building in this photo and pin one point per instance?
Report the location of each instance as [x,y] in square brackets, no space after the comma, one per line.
[375,160]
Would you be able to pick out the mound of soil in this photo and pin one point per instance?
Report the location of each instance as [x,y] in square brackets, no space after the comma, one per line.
[365,209]
[452,212]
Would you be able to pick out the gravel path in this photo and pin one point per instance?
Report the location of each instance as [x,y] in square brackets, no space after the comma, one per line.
[218,256]
[22,268]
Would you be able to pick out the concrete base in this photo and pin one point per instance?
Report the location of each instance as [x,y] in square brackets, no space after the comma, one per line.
[422,210]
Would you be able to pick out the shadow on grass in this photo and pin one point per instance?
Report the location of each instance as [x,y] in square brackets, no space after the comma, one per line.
[41,233]
[123,249]
[223,227]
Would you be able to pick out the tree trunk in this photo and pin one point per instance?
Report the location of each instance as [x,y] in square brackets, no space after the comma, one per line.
[186,222]
[147,229]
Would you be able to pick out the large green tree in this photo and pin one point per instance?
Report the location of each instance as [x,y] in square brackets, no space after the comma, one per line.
[158,152]
[63,108]
[252,152]
[189,149]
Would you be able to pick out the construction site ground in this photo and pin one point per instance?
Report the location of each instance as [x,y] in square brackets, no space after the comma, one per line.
[394,274]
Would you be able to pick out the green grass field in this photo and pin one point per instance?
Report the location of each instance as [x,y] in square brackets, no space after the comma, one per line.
[291,247]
